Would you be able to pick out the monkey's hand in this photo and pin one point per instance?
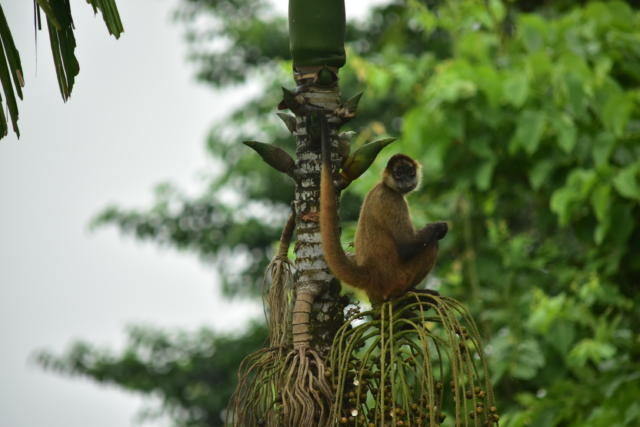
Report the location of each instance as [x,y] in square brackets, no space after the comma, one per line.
[440,229]
[433,232]
[428,236]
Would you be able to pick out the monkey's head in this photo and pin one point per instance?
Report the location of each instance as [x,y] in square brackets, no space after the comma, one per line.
[402,174]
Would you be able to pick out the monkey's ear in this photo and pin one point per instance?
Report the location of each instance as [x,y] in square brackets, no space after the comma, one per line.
[274,156]
[289,121]
[358,162]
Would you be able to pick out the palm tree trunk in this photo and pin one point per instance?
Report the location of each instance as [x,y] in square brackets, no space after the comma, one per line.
[317,46]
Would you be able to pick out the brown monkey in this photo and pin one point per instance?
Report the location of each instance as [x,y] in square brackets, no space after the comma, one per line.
[391,257]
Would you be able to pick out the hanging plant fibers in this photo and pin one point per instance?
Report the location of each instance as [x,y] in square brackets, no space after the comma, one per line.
[414,361]
[255,401]
[278,294]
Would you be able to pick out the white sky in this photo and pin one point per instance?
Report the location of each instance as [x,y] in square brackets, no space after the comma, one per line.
[136,118]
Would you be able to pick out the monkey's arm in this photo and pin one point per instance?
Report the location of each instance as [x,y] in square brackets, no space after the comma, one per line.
[426,237]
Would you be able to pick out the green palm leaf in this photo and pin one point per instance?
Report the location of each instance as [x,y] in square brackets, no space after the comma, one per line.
[109,14]
[63,44]
[10,76]
[62,40]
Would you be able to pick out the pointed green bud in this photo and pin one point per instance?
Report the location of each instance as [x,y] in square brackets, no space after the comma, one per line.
[352,103]
[359,162]
[274,156]
[347,111]
[289,121]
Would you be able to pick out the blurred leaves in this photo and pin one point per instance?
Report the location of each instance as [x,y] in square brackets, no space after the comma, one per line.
[241,36]
[238,241]
[192,373]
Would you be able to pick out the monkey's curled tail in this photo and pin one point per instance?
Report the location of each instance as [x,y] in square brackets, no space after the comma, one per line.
[337,260]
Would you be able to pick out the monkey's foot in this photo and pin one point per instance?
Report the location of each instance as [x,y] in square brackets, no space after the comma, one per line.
[427,292]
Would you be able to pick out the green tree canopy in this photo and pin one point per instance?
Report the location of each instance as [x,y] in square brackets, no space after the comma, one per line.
[526,118]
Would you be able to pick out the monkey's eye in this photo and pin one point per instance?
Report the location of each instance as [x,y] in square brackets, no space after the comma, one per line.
[404,170]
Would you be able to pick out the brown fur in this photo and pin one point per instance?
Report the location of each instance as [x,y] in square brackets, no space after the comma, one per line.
[391,257]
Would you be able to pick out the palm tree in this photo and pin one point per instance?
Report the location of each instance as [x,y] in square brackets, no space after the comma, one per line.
[60,29]
[405,362]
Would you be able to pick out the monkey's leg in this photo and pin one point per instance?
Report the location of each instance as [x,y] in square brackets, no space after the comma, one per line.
[420,265]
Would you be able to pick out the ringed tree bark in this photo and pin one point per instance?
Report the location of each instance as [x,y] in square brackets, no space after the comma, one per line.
[302,319]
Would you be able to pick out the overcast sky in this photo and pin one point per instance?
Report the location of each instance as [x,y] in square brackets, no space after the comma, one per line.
[136,118]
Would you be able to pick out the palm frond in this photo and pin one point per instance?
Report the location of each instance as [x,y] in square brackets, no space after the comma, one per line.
[61,35]
[110,15]
[10,76]
[63,43]
[413,361]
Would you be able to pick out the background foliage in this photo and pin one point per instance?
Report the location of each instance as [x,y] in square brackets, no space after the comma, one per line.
[526,117]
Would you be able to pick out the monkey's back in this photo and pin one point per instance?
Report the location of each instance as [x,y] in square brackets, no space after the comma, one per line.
[384,221]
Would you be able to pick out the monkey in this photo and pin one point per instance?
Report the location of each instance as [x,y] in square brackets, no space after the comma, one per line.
[391,257]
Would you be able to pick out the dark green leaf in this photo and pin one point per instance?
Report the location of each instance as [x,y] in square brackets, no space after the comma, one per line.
[627,181]
[110,15]
[516,88]
[603,146]
[531,126]
[539,173]
[601,202]
[10,76]
[566,132]
[484,174]
[616,112]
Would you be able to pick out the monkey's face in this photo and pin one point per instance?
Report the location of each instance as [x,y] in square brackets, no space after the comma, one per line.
[402,173]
